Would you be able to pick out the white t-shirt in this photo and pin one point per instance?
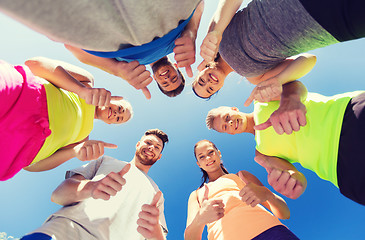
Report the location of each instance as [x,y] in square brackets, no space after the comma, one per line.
[99,219]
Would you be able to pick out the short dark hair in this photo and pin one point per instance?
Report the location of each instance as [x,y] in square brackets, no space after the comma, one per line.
[177,90]
[158,133]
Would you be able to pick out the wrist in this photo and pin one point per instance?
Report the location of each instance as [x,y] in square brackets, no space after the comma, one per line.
[86,188]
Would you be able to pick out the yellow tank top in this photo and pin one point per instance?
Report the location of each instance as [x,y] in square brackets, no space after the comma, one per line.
[240,221]
[314,146]
[70,120]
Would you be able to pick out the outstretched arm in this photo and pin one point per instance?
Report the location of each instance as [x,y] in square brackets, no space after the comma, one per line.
[221,18]
[134,73]
[290,115]
[85,151]
[256,193]
[270,84]
[198,216]
[282,175]
[185,44]
[70,78]
[77,188]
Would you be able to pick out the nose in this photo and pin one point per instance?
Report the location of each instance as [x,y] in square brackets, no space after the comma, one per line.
[151,147]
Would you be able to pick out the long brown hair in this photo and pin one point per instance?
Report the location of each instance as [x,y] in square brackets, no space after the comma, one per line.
[205,177]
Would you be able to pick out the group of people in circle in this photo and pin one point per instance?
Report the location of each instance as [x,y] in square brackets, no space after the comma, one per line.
[48,109]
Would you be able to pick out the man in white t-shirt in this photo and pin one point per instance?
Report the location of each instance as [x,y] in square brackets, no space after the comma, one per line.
[110,199]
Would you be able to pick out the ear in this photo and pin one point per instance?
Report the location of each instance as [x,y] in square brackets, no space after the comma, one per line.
[175,64]
[198,163]
[137,144]
[235,109]
[159,157]
[116,98]
[220,154]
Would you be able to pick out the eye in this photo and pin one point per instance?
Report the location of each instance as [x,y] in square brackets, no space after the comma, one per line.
[201,157]
[201,82]
[224,127]
[117,119]
[211,152]
[174,79]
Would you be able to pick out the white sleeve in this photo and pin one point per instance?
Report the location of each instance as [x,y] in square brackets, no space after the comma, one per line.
[88,170]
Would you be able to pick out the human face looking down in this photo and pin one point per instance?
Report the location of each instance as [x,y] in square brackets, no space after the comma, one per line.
[209,81]
[166,75]
[208,157]
[229,120]
[115,113]
[148,150]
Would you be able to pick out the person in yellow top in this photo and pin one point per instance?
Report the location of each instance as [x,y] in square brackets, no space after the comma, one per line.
[47,113]
[324,134]
[232,205]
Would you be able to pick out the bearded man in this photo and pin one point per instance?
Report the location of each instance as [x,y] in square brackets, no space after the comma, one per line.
[110,199]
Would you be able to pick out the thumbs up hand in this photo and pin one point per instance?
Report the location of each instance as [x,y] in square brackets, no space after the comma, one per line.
[253,194]
[289,182]
[210,210]
[110,185]
[148,222]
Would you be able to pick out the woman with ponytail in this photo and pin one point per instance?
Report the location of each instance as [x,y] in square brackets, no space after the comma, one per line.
[232,205]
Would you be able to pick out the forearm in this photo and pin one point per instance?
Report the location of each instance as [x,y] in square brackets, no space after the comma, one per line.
[194,231]
[297,68]
[106,64]
[60,74]
[72,190]
[278,207]
[222,17]
[56,159]
[193,25]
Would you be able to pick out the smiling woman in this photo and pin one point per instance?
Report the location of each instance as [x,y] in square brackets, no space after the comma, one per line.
[229,204]
[61,117]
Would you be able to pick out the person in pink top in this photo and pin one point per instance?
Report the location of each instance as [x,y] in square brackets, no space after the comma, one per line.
[27,115]
[232,205]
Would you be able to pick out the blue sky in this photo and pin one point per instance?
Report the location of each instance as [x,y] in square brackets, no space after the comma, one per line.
[321,213]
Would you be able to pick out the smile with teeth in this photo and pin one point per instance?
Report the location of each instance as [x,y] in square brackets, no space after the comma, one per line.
[210,163]
[164,73]
[148,153]
[214,78]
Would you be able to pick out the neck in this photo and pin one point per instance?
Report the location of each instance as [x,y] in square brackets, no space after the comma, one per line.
[215,175]
[250,123]
[143,168]
[224,66]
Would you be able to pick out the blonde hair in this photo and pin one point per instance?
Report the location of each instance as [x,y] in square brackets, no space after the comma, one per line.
[126,105]
[209,120]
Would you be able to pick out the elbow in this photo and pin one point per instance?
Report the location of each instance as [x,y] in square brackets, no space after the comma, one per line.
[54,198]
[33,63]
